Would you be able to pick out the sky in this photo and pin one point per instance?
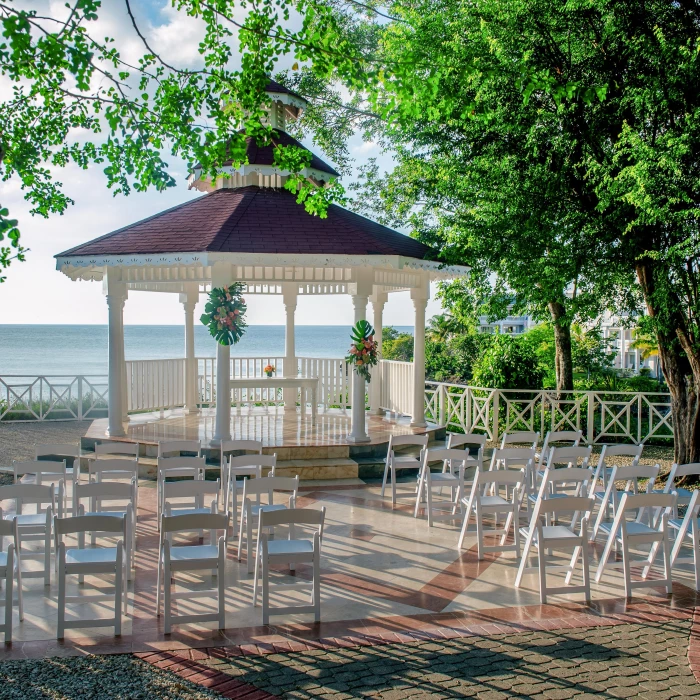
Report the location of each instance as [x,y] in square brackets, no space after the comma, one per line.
[35,292]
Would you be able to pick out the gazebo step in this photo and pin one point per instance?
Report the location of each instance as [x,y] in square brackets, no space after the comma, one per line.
[315,469]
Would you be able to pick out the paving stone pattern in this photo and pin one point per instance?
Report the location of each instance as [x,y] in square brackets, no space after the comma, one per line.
[622,661]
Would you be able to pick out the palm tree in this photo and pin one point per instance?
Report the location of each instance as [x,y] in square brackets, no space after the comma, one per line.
[441,327]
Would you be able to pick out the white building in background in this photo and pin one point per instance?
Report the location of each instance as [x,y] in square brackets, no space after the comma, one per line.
[613,327]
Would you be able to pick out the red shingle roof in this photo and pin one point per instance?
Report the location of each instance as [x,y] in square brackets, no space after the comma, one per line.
[253,220]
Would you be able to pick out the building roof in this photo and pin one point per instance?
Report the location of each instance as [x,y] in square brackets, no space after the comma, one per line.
[264,155]
[253,220]
[274,86]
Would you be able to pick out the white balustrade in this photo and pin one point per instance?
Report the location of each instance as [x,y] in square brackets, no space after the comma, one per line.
[160,384]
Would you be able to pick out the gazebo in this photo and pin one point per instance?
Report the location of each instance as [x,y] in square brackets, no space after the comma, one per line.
[248,228]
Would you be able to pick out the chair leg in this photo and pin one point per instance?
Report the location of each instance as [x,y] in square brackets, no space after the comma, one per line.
[240,534]
[542,570]
[118,591]
[666,547]
[317,586]
[265,589]
[61,624]
[9,580]
[159,581]
[20,595]
[222,586]
[393,484]
[256,578]
[626,566]
[167,596]
[585,559]
[429,500]
[249,543]
[465,526]
[386,474]
[47,557]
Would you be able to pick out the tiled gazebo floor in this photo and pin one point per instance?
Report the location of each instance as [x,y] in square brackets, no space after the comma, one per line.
[386,577]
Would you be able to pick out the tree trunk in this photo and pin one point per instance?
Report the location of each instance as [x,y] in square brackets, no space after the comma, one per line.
[681,369]
[563,362]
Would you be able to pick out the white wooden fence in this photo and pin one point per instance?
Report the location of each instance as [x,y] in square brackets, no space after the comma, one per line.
[160,384]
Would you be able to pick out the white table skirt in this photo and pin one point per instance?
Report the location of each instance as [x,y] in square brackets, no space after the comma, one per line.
[305,384]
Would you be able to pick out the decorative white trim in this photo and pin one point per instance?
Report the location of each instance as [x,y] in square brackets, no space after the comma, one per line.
[249,175]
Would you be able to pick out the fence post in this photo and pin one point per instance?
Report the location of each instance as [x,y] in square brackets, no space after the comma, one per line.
[442,400]
[80,398]
[496,407]
[468,410]
[590,436]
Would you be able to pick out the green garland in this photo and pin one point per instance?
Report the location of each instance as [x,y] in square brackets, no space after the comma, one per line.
[224,314]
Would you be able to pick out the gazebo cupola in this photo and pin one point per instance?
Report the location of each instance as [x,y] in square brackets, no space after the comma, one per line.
[259,169]
[248,228]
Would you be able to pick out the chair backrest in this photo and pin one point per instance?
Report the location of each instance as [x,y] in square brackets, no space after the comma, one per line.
[190,489]
[29,493]
[459,439]
[228,446]
[251,465]
[56,449]
[194,521]
[569,456]
[630,475]
[450,454]
[559,436]
[42,468]
[89,523]
[513,457]
[631,501]
[567,504]
[112,469]
[522,437]
[293,516]
[103,491]
[680,470]
[166,464]
[130,449]
[175,448]
[270,484]
[405,440]
[500,477]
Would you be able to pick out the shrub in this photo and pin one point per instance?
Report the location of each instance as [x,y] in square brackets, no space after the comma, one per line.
[508,363]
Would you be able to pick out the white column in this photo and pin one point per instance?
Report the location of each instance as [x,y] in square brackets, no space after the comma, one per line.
[289,298]
[358,430]
[420,301]
[122,364]
[375,387]
[189,300]
[116,296]
[221,277]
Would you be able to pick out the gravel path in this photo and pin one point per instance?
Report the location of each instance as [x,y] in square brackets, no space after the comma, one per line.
[118,677]
[17,440]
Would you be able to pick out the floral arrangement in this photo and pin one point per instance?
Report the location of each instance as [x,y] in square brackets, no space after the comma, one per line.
[363,352]
[224,314]
[269,370]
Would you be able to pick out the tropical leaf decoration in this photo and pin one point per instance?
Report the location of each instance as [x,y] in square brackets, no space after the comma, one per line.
[363,352]
[224,314]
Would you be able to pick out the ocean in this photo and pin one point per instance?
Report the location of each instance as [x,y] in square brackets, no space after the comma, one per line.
[68,349]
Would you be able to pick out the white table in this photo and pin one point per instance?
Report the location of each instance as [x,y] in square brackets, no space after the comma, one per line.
[305,384]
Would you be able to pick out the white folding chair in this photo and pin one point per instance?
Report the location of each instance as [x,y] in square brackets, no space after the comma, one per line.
[687,532]
[606,463]
[43,472]
[176,448]
[115,469]
[517,458]
[192,557]
[486,500]
[111,498]
[235,448]
[628,534]
[565,457]
[683,495]
[442,509]
[190,497]
[177,468]
[573,437]
[117,449]
[609,500]
[547,538]
[240,468]
[292,551]
[66,452]
[98,560]
[10,566]
[33,526]
[467,441]
[523,437]
[253,491]
[395,462]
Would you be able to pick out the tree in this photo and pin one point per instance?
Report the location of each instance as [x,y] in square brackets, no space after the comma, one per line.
[508,363]
[442,326]
[553,146]
[396,346]
[75,99]
[591,351]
